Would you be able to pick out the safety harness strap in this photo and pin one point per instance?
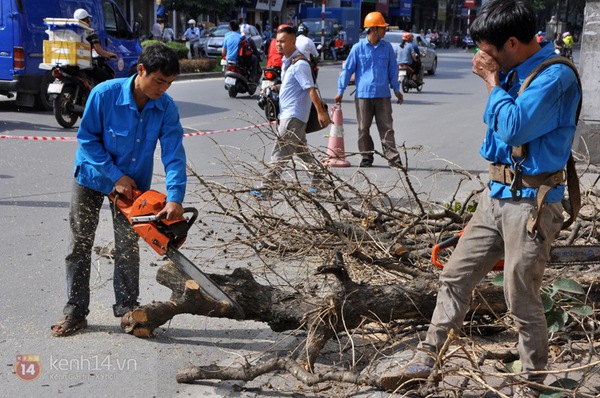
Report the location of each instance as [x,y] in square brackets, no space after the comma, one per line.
[548,180]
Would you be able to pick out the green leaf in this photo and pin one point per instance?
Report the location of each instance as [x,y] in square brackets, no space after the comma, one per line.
[498,279]
[569,285]
[556,320]
[547,302]
[582,310]
[509,367]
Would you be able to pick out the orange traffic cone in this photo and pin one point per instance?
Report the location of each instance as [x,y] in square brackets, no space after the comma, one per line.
[336,155]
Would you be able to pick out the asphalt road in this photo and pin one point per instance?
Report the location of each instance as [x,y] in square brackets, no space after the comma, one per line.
[442,126]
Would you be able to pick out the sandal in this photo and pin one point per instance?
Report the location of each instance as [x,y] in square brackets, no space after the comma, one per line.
[67,325]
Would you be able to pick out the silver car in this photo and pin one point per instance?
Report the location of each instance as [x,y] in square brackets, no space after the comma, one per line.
[211,41]
[429,60]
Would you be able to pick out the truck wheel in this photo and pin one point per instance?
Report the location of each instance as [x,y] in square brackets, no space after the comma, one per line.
[42,101]
[65,117]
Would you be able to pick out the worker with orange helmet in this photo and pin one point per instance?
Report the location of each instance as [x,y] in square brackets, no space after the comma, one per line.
[416,56]
[373,62]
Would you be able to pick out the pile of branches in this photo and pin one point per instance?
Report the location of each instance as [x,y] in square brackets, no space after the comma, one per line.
[364,233]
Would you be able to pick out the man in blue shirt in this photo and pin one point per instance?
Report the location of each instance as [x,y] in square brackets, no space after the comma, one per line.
[543,118]
[374,65]
[231,42]
[296,93]
[123,121]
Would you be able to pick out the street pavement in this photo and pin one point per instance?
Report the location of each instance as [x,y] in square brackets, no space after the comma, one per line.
[442,125]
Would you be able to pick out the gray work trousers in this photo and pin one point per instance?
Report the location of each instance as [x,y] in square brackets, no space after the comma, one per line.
[84,216]
[498,230]
[291,140]
[381,109]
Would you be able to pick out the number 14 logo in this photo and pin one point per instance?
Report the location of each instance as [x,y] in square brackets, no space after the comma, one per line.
[28,367]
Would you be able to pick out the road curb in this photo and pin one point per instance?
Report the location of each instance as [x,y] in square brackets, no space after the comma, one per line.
[197,76]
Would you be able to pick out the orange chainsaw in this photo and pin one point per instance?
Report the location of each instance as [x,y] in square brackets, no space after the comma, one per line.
[567,254]
[166,236]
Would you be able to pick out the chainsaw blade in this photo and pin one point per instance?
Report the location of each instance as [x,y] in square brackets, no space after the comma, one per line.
[574,254]
[210,287]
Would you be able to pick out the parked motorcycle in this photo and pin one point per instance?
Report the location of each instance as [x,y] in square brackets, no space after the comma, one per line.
[71,88]
[239,79]
[269,99]
[407,79]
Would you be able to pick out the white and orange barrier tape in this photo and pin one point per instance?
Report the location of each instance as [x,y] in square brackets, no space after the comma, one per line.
[195,134]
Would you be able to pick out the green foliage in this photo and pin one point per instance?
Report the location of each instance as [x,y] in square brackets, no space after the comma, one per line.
[180,49]
[149,42]
[558,302]
[457,207]
[214,8]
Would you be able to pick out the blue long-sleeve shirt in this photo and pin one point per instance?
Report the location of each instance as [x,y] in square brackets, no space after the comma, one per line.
[115,139]
[543,117]
[375,70]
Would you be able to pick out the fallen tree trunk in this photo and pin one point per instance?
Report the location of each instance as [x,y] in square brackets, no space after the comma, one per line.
[320,316]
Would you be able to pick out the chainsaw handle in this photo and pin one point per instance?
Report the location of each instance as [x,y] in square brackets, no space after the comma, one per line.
[194,216]
[451,242]
[445,244]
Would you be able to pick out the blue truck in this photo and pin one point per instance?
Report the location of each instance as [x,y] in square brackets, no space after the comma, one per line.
[335,18]
[22,33]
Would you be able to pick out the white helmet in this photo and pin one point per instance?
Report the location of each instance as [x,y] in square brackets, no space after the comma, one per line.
[80,14]
[192,22]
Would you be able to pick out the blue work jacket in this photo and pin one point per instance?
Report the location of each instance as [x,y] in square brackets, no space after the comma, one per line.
[115,139]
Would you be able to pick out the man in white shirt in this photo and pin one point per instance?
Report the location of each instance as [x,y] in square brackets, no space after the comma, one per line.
[304,44]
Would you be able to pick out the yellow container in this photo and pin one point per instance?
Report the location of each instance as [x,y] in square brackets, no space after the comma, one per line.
[59,52]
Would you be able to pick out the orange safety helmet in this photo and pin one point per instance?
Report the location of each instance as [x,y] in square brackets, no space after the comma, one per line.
[375,19]
[407,36]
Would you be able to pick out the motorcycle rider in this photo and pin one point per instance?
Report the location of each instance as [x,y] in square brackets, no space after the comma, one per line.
[405,52]
[305,44]
[192,37]
[92,37]
[231,42]
[417,60]
[274,57]
[231,46]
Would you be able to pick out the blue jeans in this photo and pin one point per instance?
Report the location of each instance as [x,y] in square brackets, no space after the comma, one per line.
[83,221]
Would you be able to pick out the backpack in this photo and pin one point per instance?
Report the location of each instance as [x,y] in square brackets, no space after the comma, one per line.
[245,49]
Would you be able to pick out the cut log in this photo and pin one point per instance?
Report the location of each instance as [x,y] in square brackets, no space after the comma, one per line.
[320,316]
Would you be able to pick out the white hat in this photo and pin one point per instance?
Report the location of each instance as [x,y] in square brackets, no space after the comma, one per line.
[80,13]
[192,22]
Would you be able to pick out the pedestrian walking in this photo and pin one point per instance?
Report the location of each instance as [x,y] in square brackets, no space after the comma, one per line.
[296,93]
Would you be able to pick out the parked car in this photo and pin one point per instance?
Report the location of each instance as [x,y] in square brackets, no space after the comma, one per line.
[429,60]
[211,41]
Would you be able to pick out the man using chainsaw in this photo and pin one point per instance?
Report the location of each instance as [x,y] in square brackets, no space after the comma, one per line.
[530,128]
[124,119]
